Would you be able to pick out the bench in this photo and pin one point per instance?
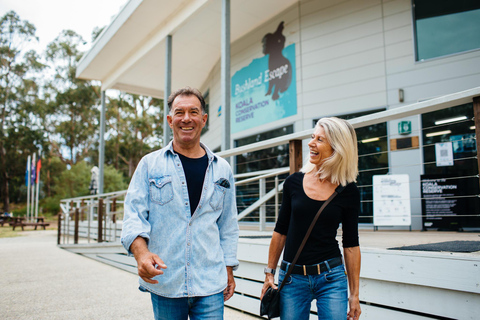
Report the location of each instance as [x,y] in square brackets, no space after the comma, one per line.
[40,223]
[32,224]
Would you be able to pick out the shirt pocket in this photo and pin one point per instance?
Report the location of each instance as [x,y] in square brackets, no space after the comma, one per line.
[161,189]
[216,201]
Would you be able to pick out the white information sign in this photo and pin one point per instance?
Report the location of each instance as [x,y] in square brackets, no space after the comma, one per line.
[391,200]
[444,154]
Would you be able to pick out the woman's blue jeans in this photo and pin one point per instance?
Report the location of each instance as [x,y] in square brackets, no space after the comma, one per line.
[197,308]
[329,288]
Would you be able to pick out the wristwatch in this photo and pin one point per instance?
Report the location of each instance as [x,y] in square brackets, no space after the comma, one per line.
[269,270]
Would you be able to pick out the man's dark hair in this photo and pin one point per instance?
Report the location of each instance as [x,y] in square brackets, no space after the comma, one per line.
[186,91]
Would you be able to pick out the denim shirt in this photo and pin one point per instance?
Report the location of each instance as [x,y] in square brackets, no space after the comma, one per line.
[196,248]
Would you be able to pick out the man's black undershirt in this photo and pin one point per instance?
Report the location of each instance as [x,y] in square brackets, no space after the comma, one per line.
[195,174]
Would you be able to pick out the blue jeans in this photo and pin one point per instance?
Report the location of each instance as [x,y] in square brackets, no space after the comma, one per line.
[328,288]
[197,308]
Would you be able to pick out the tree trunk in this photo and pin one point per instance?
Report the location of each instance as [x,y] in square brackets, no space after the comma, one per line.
[5,178]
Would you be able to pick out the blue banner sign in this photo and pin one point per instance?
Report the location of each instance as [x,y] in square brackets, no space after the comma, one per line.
[266,89]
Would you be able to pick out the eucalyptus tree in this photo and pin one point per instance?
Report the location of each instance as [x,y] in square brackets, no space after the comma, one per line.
[134,126]
[75,100]
[21,129]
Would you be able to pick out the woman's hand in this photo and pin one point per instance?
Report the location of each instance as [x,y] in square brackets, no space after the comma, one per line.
[267,284]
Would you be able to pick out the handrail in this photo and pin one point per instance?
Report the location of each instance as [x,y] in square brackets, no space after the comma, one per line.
[447,101]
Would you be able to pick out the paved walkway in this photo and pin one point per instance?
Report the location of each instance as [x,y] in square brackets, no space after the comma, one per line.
[40,281]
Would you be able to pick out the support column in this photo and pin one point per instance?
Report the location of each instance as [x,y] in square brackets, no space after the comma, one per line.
[476,114]
[101,148]
[225,74]
[168,88]
[295,155]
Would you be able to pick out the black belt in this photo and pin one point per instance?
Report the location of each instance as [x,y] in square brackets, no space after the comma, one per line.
[313,269]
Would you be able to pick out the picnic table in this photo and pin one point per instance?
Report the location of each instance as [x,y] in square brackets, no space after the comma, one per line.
[18,222]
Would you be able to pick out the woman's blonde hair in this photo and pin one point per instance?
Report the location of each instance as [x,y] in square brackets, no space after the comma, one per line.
[342,166]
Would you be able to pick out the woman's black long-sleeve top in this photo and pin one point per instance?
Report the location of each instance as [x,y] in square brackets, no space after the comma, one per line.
[297,213]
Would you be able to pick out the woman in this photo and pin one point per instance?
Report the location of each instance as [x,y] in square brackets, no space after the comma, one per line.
[319,272]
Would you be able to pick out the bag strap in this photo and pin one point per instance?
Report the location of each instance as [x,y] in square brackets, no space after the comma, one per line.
[290,268]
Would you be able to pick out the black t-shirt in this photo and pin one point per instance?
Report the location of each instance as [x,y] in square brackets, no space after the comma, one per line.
[195,174]
[297,213]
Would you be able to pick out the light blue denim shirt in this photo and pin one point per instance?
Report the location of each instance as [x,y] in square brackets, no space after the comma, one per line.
[196,248]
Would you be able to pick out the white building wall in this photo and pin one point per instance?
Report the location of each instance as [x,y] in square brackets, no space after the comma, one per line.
[353,56]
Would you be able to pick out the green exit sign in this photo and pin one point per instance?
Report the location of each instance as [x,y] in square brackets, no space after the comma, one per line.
[404,127]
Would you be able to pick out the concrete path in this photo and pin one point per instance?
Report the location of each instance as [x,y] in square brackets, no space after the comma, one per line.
[38,280]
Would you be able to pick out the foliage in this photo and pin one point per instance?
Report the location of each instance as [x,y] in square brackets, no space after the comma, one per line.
[20,108]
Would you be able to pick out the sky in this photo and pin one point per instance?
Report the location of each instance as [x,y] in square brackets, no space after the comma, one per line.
[50,17]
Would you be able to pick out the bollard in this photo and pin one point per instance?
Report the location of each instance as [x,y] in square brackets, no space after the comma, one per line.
[75,232]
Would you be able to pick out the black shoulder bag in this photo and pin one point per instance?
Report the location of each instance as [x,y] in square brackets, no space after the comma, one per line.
[270,304]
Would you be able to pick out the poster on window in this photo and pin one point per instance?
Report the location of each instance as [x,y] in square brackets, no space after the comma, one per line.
[444,154]
[391,200]
[450,202]
[266,89]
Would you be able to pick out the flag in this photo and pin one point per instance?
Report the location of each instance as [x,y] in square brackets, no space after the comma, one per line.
[27,173]
[33,174]
[39,166]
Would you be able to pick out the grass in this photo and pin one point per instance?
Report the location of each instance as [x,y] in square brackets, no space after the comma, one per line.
[7,231]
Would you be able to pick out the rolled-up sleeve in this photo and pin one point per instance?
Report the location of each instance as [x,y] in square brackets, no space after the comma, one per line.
[228,226]
[136,208]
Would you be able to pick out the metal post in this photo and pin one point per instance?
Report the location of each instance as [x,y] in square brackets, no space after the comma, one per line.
[101,151]
[276,198]
[168,88]
[262,209]
[29,179]
[225,74]
[476,114]
[75,232]
[100,219]
[59,231]
[90,218]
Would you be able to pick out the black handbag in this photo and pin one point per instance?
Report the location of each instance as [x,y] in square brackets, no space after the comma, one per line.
[270,303]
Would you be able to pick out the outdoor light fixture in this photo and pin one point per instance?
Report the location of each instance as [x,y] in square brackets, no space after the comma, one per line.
[450,120]
[439,133]
[401,95]
[370,140]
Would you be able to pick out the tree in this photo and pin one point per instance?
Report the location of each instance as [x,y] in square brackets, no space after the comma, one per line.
[75,101]
[135,127]
[20,129]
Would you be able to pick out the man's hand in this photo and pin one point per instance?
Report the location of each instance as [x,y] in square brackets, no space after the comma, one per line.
[267,284]
[230,289]
[354,308]
[149,265]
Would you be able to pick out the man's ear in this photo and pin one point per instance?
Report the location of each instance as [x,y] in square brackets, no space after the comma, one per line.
[204,118]
[170,121]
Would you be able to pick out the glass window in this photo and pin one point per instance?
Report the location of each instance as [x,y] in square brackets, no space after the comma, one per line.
[445,27]
[449,135]
[372,160]
[276,157]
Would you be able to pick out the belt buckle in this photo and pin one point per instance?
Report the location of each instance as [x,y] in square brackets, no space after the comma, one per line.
[304,270]
[318,268]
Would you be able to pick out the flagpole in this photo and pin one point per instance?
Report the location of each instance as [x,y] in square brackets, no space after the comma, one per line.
[38,184]
[28,185]
[33,186]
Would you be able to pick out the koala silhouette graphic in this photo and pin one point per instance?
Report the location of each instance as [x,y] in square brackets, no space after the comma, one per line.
[279,73]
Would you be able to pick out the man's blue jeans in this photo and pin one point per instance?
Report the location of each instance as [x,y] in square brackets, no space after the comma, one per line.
[197,308]
[329,288]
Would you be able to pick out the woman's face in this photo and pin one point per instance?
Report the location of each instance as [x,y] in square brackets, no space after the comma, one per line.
[319,147]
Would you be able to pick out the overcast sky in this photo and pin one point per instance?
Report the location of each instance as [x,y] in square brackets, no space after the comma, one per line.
[50,17]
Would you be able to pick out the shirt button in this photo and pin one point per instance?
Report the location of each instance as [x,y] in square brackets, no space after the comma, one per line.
[186,203]
[183,182]
[188,263]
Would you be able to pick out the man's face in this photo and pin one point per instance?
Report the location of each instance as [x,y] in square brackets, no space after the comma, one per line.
[186,120]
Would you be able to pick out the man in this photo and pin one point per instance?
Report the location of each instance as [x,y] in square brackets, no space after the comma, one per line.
[181,219]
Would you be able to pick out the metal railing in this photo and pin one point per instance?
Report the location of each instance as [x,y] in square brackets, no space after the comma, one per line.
[107,227]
